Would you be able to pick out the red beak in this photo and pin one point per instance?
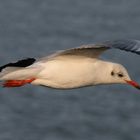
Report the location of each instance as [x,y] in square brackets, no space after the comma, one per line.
[134,84]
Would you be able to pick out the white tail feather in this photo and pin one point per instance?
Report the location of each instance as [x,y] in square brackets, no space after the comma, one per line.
[17,73]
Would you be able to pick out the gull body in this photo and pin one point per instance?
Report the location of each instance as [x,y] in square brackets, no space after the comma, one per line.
[71,68]
[73,72]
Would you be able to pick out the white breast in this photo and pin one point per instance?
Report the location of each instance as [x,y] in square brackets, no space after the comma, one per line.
[68,73]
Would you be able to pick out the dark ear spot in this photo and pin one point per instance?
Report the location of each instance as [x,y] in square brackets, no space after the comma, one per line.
[112,73]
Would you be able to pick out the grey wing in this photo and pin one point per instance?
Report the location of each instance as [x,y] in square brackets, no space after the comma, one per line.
[124,44]
[91,50]
[94,50]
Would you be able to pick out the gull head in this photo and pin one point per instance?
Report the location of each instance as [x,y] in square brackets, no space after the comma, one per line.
[119,74]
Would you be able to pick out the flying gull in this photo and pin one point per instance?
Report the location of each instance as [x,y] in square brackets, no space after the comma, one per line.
[72,68]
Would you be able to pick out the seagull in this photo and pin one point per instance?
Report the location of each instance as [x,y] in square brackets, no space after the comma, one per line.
[72,68]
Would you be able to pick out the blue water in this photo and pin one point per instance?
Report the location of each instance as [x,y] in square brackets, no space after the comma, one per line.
[35,28]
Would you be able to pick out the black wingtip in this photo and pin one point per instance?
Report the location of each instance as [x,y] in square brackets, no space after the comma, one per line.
[21,63]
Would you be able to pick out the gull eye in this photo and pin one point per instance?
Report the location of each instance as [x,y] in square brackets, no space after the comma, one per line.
[112,73]
[120,75]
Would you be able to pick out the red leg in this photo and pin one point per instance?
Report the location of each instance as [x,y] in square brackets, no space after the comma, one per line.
[17,83]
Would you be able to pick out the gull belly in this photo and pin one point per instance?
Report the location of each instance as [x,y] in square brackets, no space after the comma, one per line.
[68,73]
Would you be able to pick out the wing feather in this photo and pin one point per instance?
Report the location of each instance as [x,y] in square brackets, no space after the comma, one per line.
[95,50]
[91,50]
[124,44]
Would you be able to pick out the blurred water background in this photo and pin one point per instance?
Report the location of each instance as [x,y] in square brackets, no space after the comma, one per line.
[35,28]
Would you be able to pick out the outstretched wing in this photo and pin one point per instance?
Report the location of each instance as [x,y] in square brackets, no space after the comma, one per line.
[94,50]
[126,45]
[91,50]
